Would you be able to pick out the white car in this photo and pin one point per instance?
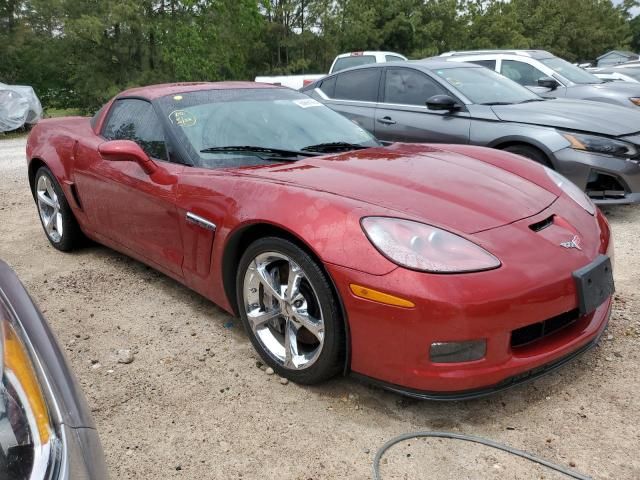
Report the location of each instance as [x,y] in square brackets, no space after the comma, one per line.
[620,73]
[341,62]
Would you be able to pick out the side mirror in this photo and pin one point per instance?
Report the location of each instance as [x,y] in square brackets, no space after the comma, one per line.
[548,82]
[442,102]
[127,151]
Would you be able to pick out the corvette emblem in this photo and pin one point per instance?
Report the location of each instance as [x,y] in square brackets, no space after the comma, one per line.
[573,243]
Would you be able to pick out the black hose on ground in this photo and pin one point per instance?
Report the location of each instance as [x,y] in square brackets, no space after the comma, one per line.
[471,438]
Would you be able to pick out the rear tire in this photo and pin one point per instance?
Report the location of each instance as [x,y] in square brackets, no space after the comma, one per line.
[57,219]
[289,311]
[529,152]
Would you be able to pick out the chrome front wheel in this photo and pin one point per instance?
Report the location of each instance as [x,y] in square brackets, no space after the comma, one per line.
[290,311]
[283,310]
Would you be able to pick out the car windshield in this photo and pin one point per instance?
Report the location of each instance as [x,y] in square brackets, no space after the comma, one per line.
[486,87]
[631,72]
[241,127]
[569,71]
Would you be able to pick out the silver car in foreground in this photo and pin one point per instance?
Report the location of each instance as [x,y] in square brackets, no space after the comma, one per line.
[596,145]
[550,76]
[46,429]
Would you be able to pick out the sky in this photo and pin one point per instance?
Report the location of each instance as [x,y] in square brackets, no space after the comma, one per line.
[635,11]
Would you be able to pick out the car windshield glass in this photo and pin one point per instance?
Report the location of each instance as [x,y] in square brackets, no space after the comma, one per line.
[631,72]
[484,86]
[352,61]
[263,123]
[569,71]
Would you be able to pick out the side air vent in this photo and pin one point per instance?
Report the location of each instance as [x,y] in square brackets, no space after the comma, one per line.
[541,225]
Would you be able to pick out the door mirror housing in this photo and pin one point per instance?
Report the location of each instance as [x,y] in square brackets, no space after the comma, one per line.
[442,102]
[127,151]
[548,82]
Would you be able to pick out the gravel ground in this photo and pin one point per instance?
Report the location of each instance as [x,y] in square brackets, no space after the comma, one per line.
[194,404]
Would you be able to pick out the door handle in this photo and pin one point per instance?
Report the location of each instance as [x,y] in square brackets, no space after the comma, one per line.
[386,121]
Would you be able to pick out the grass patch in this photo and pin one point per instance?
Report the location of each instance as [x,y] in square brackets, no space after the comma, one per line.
[61,112]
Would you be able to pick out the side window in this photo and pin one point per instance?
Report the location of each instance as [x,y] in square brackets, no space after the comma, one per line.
[133,119]
[328,86]
[409,87]
[393,58]
[360,85]
[520,72]
[490,64]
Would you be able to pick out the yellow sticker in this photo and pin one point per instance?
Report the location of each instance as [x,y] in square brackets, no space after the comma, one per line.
[182,118]
[177,98]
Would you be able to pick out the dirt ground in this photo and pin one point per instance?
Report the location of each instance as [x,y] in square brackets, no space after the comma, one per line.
[194,405]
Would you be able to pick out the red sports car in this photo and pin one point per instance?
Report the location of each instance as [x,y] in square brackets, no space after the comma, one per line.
[443,271]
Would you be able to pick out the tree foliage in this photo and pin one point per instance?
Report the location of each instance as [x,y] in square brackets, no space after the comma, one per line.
[78,53]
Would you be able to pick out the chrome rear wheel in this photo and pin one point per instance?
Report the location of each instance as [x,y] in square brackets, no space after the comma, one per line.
[49,209]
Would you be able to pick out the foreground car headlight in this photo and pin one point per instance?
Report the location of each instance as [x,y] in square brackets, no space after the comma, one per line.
[422,247]
[572,190]
[604,145]
[27,437]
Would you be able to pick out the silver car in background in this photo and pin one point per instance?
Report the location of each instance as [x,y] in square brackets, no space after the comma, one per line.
[596,145]
[550,76]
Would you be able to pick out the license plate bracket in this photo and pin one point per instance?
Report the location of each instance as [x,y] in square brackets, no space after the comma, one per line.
[594,284]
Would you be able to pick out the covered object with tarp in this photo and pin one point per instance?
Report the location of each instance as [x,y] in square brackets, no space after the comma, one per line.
[19,105]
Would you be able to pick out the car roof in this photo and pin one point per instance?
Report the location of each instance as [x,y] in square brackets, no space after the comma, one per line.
[369,52]
[537,54]
[427,63]
[152,92]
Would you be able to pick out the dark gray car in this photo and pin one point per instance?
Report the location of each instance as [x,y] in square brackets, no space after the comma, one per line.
[594,144]
[550,76]
[46,430]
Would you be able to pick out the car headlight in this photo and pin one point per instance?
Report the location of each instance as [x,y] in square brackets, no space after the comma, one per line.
[572,190]
[635,101]
[27,436]
[425,248]
[604,145]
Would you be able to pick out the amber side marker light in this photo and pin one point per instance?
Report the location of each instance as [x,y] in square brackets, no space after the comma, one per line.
[18,366]
[380,297]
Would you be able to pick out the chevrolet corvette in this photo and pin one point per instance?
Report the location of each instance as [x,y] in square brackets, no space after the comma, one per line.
[438,271]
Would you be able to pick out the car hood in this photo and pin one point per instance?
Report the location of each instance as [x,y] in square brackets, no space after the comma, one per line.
[428,184]
[581,115]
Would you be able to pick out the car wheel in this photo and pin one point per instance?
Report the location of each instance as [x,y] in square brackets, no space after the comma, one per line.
[529,152]
[57,219]
[289,311]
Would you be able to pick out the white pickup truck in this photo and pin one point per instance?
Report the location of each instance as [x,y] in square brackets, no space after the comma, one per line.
[342,61]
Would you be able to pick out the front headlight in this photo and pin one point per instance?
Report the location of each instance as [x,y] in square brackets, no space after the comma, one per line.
[635,101]
[572,190]
[27,436]
[604,145]
[425,248]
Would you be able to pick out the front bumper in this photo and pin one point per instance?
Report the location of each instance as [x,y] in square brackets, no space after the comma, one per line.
[607,180]
[391,344]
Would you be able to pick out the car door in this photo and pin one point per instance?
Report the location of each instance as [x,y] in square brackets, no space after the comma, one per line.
[134,209]
[402,114]
[527,75]
[354,94]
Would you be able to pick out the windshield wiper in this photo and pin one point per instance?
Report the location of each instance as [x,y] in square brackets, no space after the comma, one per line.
[333,146]
[271,152]
[497,103]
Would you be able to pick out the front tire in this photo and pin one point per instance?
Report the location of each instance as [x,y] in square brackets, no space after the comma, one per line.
[529,152]
[289,311]
[58,221]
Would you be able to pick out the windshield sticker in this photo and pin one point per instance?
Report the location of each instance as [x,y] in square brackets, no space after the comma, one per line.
[307,102]
[182,118]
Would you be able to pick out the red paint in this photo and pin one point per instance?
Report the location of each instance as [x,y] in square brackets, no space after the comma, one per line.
[485,195]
